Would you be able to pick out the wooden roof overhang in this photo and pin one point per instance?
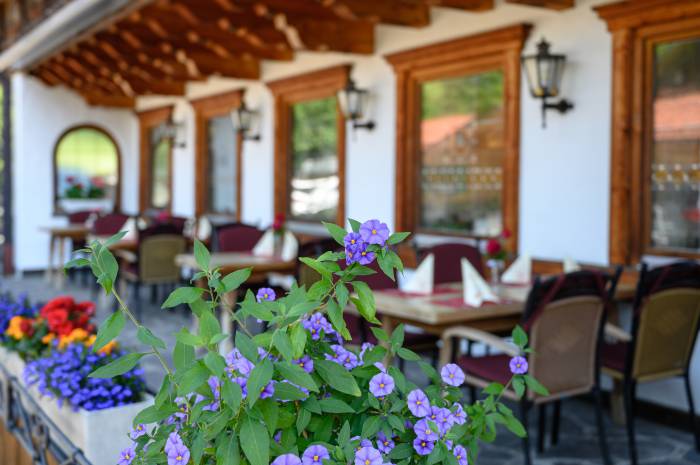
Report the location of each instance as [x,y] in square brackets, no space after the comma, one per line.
[157,46]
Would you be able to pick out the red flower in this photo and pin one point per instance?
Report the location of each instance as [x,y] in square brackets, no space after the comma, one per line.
[27,327]
[64,329]
[506,233]
[278,222]
[493,247]
[56,318]
[87,308]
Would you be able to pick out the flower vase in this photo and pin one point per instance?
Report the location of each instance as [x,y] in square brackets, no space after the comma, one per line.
[495,269]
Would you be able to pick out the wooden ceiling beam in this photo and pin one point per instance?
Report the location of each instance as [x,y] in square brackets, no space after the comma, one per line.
[397,12]
[551,4]
[92,95]
[69,71]
[339,36]
[94,74]
[469,5]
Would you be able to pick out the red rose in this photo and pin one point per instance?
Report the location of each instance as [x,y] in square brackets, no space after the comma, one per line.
[27,327]
[64,329]
[56,318]
[63,303]
[493,247]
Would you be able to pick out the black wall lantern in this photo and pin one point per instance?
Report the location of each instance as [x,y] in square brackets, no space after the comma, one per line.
[245,121]
[353,104]
[544,71]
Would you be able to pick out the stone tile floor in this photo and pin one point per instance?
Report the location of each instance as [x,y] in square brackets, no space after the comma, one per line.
[578,443]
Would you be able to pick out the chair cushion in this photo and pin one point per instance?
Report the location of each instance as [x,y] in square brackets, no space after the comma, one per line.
[613,356]
[489,367]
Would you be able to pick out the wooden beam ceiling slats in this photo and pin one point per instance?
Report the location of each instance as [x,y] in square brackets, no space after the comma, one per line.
[551,4]
[469,5]
[397,12]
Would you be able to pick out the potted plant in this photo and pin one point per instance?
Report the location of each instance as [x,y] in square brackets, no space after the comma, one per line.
[496,255]
[80,196]
[298,393]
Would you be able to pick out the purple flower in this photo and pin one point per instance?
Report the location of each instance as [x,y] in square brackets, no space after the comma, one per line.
[350,360]
[126,456]
[424,431]
[235,361]
[452,374]
[172,442]
[374,232]
[518,365]
[381,385]
[368,456]
[242,382]
[352,240]
[286,459]
[461,454]
[306,363]
[138,431]
[384,444]
[423,446]
[179,455]
[267,294]
[314,455]
[449,444]
[365,347]
[268,391]
[363,442]
[418,403]
[459,415]
[365,257]
[317,323]
[444,421]
[215,386]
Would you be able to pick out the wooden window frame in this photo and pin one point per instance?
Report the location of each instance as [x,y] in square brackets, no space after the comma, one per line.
[118,187]
[498,49]
[205,109]
[148,120]
[636,27]
[286,92]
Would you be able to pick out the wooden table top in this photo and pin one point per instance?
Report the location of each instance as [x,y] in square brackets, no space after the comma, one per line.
[446,307]
[232,261]
[70,231]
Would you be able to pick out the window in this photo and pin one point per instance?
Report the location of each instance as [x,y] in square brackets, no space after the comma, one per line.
[310,146]
[218,156]
[655,155]
[458,135]
[86,171]
[156,160]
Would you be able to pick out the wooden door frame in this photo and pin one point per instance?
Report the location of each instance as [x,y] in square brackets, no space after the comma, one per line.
[148,120]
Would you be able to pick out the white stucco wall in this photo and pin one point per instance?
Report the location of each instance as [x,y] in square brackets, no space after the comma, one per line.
[40,115]
[564,169]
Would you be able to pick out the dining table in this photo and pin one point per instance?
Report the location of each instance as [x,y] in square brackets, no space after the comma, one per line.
[228,262]
[61,237]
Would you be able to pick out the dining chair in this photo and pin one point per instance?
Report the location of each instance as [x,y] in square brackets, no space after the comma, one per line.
[665,324]
[564,317]
[448,261]
[152,264]
[235,237]
[79,217]
[109,224]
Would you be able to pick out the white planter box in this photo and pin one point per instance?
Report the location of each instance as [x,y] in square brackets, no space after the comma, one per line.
[76,205]
[100,434]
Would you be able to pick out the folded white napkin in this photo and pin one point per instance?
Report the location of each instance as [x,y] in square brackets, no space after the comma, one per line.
[474,288]
[520,272]
[131,229]
[266,245]
[203,228]
[570,265]
[421,281]
[290,247]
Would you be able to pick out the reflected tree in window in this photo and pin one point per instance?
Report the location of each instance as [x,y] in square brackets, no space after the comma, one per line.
[86,168]
[675,152]
[462,154]
[314,168]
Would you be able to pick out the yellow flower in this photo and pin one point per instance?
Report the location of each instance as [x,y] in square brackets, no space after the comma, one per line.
[108,348]
[78,334]
[48,338]
[14,329]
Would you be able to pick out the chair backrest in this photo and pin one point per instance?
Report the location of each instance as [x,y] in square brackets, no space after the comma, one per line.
[157,258]
[236,237]
[305,275]
[666,321]
[159,229]
[109,224]
[177,222]
[79,217]
[448,261]
[564,316]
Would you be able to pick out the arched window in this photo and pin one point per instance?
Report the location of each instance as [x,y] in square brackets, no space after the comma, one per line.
[86,171]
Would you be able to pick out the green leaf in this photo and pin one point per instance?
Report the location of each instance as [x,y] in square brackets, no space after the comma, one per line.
[337,377]
[283,344]
[76,263]
[518,386]
[380,334]
[342,294]
[109,330]
[302,308]
[398,237]
[258,379]
[408,355]
[332,405]
[336,232]
[153,414]
[232,394]
[436,455]
[108,267]
[365,301]
[185,337]
[298,338]
[227,452]
[285,391]
[401,451]
[344,434]
[209,326]
[114,239]
[118,366]
[192,379]
[182,295]
[183,356]
[519,337]
[335,314]
[397,336]
[331,256]
[163,393]
[354,225]
[303,419]
[295,374]
[246,346]
[147,337]
[201,255]
[494,389]
[215,363]
[255,441]
[323,268]
[535,385]
[233,281]
[386,265]
[371,426]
